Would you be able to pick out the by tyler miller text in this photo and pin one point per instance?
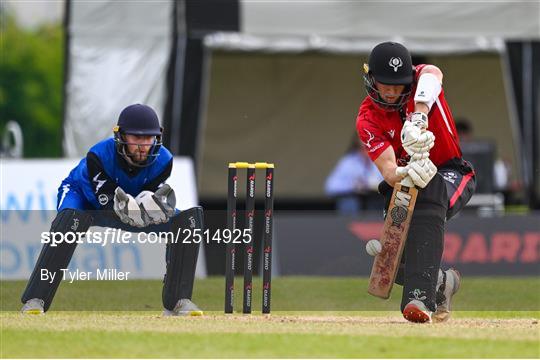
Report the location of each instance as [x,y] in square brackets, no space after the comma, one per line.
[76,275]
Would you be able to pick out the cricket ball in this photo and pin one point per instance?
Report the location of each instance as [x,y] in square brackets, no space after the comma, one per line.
[373,247]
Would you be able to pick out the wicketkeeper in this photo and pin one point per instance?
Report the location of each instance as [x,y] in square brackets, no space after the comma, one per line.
[121,183]
[408,129]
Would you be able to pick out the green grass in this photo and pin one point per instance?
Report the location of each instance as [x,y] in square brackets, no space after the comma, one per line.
[312,317]
[291,294]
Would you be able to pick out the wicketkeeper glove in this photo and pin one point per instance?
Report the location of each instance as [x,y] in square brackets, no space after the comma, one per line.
[127,209]
[159,206]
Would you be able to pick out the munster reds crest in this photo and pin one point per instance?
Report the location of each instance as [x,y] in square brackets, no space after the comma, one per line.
[395,63]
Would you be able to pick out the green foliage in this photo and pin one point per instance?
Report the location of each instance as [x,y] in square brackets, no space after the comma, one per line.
[31,77]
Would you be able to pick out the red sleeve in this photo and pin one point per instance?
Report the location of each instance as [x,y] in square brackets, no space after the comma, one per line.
[371,135]
[417,70]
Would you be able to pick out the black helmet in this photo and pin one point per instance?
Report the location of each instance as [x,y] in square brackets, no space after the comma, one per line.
[390,63]
[140,120]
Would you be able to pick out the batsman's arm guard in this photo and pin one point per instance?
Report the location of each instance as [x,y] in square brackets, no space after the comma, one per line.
[181,257]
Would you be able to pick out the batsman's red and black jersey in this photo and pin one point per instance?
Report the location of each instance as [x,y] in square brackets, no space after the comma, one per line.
[378,129]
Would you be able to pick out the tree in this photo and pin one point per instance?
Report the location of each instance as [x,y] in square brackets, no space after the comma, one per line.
[31,78]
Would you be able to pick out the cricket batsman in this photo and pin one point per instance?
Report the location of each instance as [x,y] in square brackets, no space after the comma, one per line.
[121,184]
[408,129]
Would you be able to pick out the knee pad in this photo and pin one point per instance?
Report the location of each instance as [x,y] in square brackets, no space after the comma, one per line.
[55,258]
[181,258]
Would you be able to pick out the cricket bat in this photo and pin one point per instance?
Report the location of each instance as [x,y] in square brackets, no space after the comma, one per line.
[393,237]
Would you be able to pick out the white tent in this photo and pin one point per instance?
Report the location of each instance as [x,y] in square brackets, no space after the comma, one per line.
[121,52]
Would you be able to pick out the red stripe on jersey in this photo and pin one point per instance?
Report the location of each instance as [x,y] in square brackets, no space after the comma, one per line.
[460,188]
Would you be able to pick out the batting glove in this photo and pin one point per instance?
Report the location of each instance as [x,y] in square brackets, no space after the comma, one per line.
[412,134]
[420,149]
[420,171]
[419,119]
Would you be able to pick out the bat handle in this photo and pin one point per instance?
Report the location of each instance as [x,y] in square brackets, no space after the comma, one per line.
[407,181]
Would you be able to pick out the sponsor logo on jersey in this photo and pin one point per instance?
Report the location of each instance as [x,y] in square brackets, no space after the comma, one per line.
[99,183]
[377,147]
[103,199]
[392,133]
[371,137]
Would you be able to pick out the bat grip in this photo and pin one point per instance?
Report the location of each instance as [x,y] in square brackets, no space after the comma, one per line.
[407,181]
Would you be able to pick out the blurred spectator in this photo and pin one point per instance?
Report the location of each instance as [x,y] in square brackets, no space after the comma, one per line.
[353,179]
[501,170]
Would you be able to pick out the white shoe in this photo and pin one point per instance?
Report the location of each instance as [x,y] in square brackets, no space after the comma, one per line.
[416,311]
[33,307]
[184,307]
[448,287]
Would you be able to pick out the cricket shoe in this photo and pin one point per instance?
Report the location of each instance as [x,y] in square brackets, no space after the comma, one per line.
[33,307]
[416,311]
[184,307]
[451,279]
